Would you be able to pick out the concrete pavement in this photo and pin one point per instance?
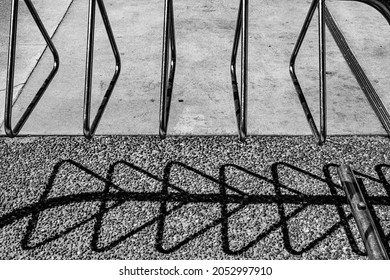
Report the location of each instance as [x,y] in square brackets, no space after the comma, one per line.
[273,197]
[202,99]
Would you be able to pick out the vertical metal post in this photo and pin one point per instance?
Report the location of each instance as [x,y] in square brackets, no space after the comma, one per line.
[11,68]
[89,65]
[164,71]
[298,88]
[244,69]
[12,132]
[241,98]
[90,129]
[368,231]
[233,72]
[168,67]
[322,69]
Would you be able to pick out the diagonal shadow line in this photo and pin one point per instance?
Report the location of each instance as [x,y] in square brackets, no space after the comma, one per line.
[225,234]
[102,210]
[225,214]
[379,170]
[343,217]
[374,215]
[159,240]
[283,221]
[381,179]
[102,196]
[333,186]
[263,178]
[103,207]
[357,173]
[284,226]
[163,209]
[44,204]
[33,221]
[386,185]
[300,170]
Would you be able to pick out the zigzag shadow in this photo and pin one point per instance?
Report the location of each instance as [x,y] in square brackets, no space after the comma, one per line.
[45,203]
[382,178]
[183,198]
[332,199]
[157,197]
[221,198]
[249,199]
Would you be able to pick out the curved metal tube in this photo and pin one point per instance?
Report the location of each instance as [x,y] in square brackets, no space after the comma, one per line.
[89,130]
[382,6]
[241,100]
[168,67]
[12,132]
[320,136]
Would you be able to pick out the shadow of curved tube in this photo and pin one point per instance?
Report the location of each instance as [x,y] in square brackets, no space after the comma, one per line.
[181,197]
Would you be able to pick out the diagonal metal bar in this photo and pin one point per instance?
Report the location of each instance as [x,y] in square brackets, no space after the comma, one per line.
[12,132]
[168,67]
[241,98]
[320,135]
[361,213]
[89,130]
[361,77]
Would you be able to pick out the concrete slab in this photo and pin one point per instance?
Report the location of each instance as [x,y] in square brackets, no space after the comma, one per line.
[202,101]
[30,43]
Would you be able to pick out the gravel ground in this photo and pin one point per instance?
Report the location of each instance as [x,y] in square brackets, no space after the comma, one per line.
[186,197]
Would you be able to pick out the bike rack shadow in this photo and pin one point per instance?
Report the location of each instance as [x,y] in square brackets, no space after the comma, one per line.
[182,198]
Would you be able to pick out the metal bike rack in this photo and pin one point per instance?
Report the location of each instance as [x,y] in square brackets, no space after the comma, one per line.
[168,67]
[12,132]
[365,223]
[324,17]
[89,130]
[241,98]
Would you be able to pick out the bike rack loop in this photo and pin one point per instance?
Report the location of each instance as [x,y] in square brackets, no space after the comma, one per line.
[168,67]
[324,18]
[241,99]
[12,132]
[89,130]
